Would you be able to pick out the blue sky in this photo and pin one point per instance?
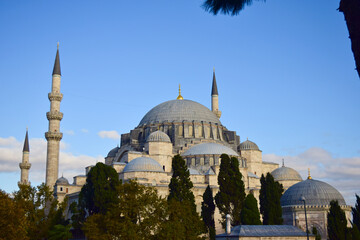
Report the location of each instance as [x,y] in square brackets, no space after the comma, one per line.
[285,75]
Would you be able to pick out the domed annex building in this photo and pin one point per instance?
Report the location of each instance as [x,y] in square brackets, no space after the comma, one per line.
[188,128]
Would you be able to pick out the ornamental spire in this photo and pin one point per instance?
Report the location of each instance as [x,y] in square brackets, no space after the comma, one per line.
[309,176]
[56,69]
[214,90]
[26,142]
[179,97]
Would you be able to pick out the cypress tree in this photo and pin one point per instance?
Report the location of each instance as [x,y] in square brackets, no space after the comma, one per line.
[270,194]
[231,195]
[336,222]
[250,214]
[356,212]
[207,212]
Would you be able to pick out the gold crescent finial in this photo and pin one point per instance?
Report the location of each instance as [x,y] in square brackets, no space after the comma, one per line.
[179,97]
[309,177]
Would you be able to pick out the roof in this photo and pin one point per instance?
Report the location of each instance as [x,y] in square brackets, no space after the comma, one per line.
[252,175]
[214,90]
[62,181]
[210,172]
[316,193]
[26,143]
[179,111]
[248,145]
[158,136]
[193,171]
[264,231]
[113,152]
[143,164]
[285,173]
[209,148]
[56,69]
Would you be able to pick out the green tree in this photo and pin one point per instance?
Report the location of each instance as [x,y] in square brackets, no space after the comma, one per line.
[350,9]
[60,232]
[356,212]
[316,233]
[99,192]
[231,195]
[13,223]
[270,195]
[250,214]
[207,212]
[336,222]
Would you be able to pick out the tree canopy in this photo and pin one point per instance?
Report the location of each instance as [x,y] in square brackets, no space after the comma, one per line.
[336,222]
[207,212]
[250,214]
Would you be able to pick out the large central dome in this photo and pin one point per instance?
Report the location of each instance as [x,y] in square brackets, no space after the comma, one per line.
[178,111]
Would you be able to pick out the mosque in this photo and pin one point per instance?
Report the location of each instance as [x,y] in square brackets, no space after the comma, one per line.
[188,128]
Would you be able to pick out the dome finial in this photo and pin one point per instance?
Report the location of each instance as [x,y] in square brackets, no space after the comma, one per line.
[58,45]
[283,163]
[179,97]
[309,177]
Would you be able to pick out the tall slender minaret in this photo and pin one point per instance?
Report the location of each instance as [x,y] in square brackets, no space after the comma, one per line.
[215,97]
[25,165]
[53,136]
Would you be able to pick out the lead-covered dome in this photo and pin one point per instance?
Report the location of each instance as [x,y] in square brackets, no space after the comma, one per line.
[286,174]
[143,164]
[178,111]
[316,193]
[62,181]
[158,136]
[248,145]
[113,152]
[209,148]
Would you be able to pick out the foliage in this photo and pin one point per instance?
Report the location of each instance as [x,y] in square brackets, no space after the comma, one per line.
[13,223]
[232,7]
[355,233]
[250,214]
[231,195]
[42,211]
[207,212]
[356,212]
[99,191]
[60,232]
[336,222]
[270,194]
[316,233]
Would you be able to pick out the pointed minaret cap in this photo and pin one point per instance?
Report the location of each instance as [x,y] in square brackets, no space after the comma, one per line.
[283,164]
[309,177]
[56,69]
[179,97]
[26,142]
[214,90]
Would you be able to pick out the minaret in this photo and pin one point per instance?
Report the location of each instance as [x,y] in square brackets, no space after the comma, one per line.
[25,165]
[53,136]
[215,97]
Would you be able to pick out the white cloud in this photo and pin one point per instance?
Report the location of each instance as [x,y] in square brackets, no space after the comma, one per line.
[70,132]
[341,173]
[109,134]
[84,130]
[70,165]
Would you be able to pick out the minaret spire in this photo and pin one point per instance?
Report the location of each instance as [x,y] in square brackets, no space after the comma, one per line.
[53,135]
[25,165]
[215,97]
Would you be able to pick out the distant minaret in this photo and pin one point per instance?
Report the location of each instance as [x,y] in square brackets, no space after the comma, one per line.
[53,136]
[215,97]
[25,165]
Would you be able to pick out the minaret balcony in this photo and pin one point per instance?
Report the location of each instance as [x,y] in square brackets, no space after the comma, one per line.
[53,136]
[55,96]
[54,115]
[25,165]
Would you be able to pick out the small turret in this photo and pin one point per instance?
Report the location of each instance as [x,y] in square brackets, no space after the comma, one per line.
[215,97]
[25,165]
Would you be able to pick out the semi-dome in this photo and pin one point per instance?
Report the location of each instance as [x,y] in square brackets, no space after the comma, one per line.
[113,152]
[209,148]
[248,145]
[316,193]
[62,181]
[143,164]
[158,136]
[179,111]
[286,174]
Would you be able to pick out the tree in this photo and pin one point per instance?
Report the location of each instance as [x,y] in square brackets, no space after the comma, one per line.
[336,222]
[250,214]
[270,194]
[350,8]
[356,212]
[139,214]
[207,212]
[231,195]
[316,233]
[60,232]
[13,223]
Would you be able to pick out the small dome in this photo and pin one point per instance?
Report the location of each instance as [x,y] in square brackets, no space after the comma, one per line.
[248,145]
[316,193]
[209,148]
[113,152]
[143,164]
[179,111]
[285,173]
[62,181]
[158,136]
